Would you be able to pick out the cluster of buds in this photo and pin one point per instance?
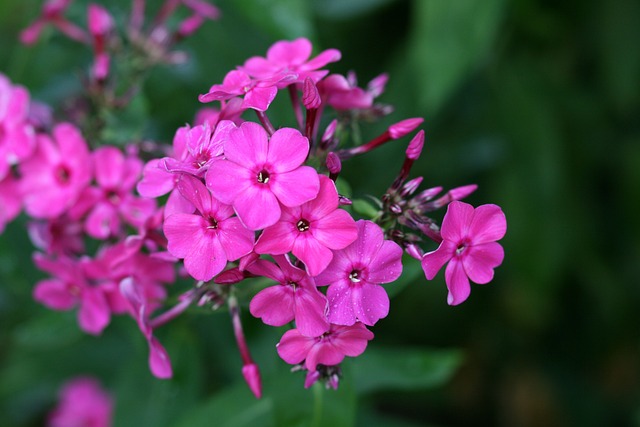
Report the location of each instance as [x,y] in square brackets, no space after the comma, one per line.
[248,202]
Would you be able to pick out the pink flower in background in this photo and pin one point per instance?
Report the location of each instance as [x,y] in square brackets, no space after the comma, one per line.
[54,177]
[311,231]
[100,24]
[259,173]
[83,403]
[294,297]
[290,57]
[209,238]
[354,276]
[10,200]
[17,137]
[112,200]
[328,349]
[469,245]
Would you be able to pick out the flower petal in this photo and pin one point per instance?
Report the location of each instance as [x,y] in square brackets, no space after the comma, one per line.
[295,187]
[433,261]
[94,314]
[315,255]
[341,310]
[294,347]
[275,305]
[370,302]
[488,224]
[386,266]
[457,282]
[257,207]
[288,149]
[277,239]
[480,261]
[456,221]
[247,145]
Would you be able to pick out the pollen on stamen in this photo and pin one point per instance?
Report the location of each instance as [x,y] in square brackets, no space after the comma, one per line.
[354,276]
[213,224]
[263,177]
[303,225]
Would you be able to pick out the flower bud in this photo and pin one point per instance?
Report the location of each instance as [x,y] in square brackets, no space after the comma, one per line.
[251,375]
[333,163]
[310,95]
[400,129]
[415,146]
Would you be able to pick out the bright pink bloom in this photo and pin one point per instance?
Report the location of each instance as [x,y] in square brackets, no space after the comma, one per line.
[83,403]
[17,137]
[469,245]
[59,236]
[339,93]
[259,173]
[294,297]
[57,173]
[355,274]
[70,287]
[112,200]
[208,239]
[286,57]
[328,349]
[311,231]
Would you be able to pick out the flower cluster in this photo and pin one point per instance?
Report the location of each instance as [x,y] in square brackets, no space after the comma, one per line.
[240,201]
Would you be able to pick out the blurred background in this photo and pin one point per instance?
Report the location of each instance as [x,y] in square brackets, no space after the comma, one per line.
[538,102]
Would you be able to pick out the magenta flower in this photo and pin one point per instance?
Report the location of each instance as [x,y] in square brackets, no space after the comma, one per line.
[208,239]
[112,201]
[17,137]
[311,231]
[290,57]
[57,173]
[354,276]
[294,297]
[328,349]
[259,173]
[10,200]
[469,245]
[82,403]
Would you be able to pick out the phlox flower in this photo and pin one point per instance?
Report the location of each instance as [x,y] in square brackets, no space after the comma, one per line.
[311,231]
[327,349]
[53,178]
[354,276]
[82,403]
[10,200]
[112,200]
[258,173]
[17,137]
[469,246]
[70,287]
[208,238]
[294,297]
[290,57]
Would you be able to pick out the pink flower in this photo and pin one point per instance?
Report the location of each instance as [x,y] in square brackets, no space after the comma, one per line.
[311,231]
[57,173]
[259,173]
[328,349]
[469,245]
[294,297]
[82,403]
[355,274]
[17,137]
[208,239]
[290,57]
[112,201]
[10,200]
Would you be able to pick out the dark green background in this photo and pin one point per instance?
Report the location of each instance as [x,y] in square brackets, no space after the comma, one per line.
[538,102]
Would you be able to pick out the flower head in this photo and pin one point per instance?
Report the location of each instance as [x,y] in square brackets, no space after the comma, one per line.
[469,246]
[82,403]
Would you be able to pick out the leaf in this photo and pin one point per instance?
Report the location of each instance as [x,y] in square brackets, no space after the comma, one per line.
[450,39]
[403,368]
[364,208]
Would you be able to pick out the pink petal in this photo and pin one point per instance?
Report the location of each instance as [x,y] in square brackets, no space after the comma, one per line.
[369,241]
[457,283]
[206,258]
[316,257]
[341,310]
[182,230]
[274,305]
[227,180]
[323,353]
[337,230]
[54,294]
[370,302]
[310,309]
[296,187]
[267,269]
[432,262]
[159,362]
[155,181]
[247,145]
[176,203]
[277,239]
[195,192]
[386,267]
[259,98]
[94,314]
[102,221]
[325,57]
[290,52]
[251,375]
[260,67]
[294,347]
[338,269]
[480,260]
[324,203]
[488,224]
[257,208]
[71,142]
[456,221]
[351,340]
[288,149]
[236,240]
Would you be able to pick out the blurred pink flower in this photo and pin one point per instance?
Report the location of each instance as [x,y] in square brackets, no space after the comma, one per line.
[83,403]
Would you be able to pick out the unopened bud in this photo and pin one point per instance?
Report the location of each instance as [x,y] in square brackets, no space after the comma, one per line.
[376,86]
[400,129]
[333,163]
[229,277]
[329,131]
[411,186]
[428,194]
[395,208]
[414,251]
[99,20]
[459,193]
[190,25]
[251,375]
[310,95]
[344,201]
[415,146]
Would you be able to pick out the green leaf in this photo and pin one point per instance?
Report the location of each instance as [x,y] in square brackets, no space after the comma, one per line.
[403,368]
[450,39]
[364,208]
